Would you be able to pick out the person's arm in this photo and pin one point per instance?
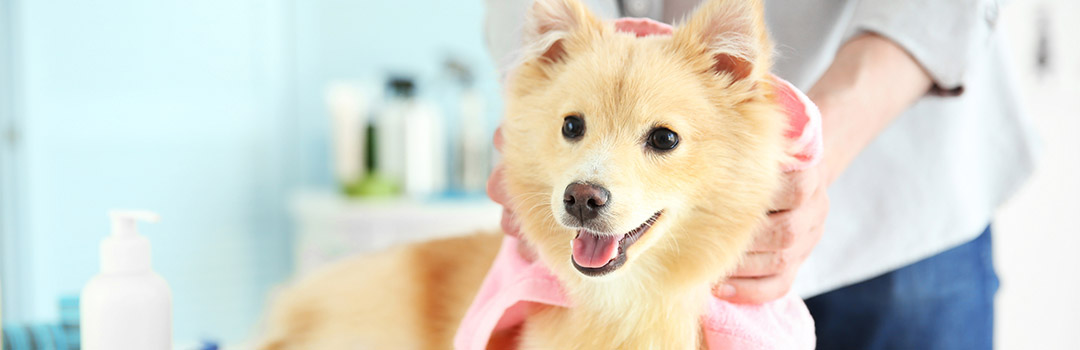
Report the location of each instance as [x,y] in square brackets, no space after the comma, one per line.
[871,81]
[897,52]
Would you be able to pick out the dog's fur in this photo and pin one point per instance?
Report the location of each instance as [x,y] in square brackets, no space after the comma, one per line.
[708,82]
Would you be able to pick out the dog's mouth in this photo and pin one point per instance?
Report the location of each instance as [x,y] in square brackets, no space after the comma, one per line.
[597,255]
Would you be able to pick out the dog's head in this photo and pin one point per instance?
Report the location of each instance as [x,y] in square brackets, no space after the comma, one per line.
[648,159]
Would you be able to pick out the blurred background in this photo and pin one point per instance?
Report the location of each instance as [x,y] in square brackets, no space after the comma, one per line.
[269,135]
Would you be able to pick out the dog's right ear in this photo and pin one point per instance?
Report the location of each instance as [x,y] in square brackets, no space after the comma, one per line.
[553,28]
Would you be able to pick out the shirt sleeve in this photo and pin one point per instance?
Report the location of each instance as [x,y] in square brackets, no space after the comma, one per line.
[944,36]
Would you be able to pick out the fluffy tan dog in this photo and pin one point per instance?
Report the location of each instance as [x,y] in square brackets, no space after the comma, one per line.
[648,161]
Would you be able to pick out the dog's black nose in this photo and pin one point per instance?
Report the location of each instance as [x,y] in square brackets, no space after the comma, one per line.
[584,201]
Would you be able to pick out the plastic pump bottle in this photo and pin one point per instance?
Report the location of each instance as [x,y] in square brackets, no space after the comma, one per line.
[127,305]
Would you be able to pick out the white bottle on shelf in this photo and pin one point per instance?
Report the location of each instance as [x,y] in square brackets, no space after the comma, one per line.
[348,110]
[127,305]
[475,142]
[412,142]
[425,151]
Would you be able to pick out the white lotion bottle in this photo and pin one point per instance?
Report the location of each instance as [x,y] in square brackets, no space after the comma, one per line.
[126,306]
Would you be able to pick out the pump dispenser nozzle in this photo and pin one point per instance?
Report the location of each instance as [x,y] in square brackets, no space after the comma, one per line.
[127,306]
[125,250]
[123,221]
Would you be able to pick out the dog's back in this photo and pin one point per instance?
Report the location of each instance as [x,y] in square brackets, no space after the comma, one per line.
[411,297]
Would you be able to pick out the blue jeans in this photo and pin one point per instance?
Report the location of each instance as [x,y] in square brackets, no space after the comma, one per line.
[943,302]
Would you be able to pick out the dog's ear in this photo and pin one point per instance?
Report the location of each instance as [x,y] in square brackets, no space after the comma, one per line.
[730,36]
[553,27]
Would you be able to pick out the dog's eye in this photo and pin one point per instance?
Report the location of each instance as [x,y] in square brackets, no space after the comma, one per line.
[573,127]
[663,139]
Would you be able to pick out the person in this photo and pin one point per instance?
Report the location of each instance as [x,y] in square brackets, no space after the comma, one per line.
[923,138]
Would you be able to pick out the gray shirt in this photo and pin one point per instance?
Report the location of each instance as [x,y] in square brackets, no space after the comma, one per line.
[933,178]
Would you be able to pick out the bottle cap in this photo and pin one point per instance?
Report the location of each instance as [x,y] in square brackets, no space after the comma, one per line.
[125,250]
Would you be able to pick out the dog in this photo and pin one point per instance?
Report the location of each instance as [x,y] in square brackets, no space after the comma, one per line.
[639,169]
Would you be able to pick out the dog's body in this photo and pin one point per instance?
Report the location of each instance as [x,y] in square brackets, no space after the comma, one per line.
[668,154]
[412,297]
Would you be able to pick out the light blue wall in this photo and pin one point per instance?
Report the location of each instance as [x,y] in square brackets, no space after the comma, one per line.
[9,184]
[207,111]
[173,106]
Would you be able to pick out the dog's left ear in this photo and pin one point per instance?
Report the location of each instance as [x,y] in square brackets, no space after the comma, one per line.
[555,28]
[729,38]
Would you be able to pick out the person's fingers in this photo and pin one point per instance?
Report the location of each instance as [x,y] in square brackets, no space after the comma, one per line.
[723,290]
[781,231]
[796,188]
[762,264]
[509,223]
[803,203]
[786,240]
[497,192]
[495,188]
[642,27]
[776,233]
[754,290]
[498,139]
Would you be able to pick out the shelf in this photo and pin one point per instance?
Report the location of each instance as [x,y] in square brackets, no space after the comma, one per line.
[330,226]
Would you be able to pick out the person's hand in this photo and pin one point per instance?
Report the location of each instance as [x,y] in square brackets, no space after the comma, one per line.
[495,188]
[497,191]
[783,242]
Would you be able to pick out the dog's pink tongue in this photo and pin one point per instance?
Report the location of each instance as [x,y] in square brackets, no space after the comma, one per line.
[592,251]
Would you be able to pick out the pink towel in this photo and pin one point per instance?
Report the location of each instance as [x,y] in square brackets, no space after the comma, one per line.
[804,126]
[783,324]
